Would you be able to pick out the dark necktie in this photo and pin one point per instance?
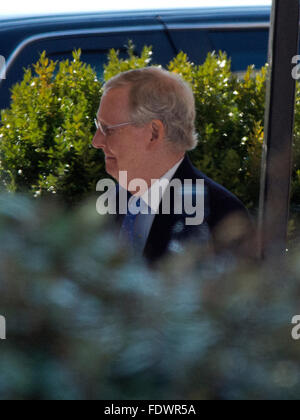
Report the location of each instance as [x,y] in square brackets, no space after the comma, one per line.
[127,229]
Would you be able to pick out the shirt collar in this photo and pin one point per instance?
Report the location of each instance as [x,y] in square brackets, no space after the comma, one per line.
[153,196]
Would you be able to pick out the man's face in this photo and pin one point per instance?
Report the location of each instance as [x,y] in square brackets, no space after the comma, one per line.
[124,147]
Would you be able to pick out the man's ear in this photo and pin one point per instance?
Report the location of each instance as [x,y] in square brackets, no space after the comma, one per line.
[157,130]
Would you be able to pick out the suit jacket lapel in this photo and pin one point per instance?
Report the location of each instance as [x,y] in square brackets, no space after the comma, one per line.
[161,231]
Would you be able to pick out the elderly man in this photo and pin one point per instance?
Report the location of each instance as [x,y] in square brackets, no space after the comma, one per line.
[145,127]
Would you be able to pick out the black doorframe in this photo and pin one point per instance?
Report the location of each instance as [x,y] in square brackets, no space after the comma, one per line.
[279,125]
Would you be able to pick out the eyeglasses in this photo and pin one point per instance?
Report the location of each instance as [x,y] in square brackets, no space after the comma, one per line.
[106,129]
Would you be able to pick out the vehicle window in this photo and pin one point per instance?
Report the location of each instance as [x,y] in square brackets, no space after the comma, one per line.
[94,51]
[245,47]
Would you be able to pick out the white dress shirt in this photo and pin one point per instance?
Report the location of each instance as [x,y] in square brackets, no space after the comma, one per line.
[150,203]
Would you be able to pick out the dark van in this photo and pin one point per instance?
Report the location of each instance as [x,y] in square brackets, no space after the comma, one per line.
[241,32]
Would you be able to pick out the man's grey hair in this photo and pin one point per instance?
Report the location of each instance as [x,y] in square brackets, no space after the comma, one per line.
[158,94]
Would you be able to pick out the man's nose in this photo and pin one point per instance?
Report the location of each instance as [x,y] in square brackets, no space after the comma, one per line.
[99,141]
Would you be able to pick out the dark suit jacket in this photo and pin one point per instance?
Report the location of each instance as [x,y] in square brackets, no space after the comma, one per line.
[227,225]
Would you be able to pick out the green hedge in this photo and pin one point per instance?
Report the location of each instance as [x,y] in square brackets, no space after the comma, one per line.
[46,134]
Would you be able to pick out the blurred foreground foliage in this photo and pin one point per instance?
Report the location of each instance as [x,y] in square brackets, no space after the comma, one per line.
[86,322]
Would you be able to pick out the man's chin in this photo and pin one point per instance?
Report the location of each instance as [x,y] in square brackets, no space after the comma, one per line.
[111,167]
